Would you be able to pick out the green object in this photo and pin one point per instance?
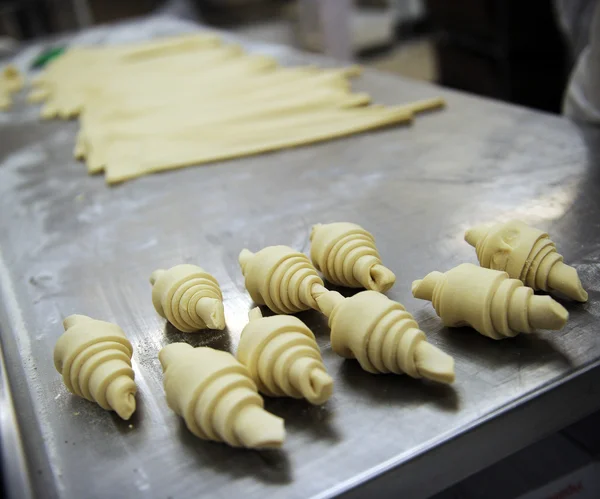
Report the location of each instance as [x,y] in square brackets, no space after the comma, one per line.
[46,56]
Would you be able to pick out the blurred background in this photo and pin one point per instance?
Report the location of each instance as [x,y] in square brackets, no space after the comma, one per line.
[504,49]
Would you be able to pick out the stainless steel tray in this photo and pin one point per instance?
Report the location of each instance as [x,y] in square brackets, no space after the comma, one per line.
[70,244]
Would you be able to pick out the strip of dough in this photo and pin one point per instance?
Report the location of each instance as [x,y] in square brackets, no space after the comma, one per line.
[71,99]
[131,159]
[173,120]
[263,88]
[11,81]
[143,154]
[65,80]
[69,63]
[266,83]
[96,156]
[191,100]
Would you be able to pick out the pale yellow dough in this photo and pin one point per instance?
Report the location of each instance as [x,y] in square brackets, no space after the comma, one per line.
[283,358]
[489,301]
[217,398]
[281,278]
[65,87]
[188,297]
[383,337]
[102,144]
[527,254]
[347,256]
[190,100]
[127,158]
[368,326]
[94,358]
[11,81]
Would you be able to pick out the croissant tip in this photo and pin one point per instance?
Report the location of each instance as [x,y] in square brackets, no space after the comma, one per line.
[476,234]
[74,319]
[212,312]
[156,275]
[415,286]
[575,292]
[255,314]
[127,408]
[321,385]
[582,296]
[259,429]
[170,353]
[382,278]
[434,364]
[564,278]
[244,258]
[315,228]
[546,313]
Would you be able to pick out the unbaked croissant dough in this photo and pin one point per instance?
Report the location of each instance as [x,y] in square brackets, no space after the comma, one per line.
[129,158]
[102,122]
[216,397]
[102,142]
[283,358]
[347,256]
[188,297]
[259,88]
[94,358]
[281,278]
[11,81]
[383,337]
[64,86]
[527,254]
[489,301]
[368,326]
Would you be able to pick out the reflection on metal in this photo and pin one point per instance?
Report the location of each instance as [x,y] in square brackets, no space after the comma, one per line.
[14,473]
[546,208]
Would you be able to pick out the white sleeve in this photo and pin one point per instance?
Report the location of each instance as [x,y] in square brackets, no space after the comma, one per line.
[582,100]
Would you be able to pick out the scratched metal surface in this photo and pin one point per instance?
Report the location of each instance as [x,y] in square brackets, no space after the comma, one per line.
[70,244]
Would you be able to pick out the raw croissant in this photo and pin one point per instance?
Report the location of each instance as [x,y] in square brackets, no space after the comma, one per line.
[527,254]
[281,278]
[347,256]
[94,358]
[488,301]
[383,337]
[188,297]
[216,397]
[283,358]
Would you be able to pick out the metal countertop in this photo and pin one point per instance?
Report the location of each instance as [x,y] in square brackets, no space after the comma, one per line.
[70,244]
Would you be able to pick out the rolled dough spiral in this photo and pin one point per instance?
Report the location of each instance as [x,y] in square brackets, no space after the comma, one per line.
[188,297]
[527,254]
[281,278]
[488,301]
[347,256]
[283,358]
[383,337]
[94,358]
[216,397]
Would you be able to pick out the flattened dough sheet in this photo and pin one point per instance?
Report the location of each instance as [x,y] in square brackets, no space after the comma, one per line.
[192,99]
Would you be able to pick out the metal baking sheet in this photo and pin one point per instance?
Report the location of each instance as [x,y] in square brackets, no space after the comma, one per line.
[70,244]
